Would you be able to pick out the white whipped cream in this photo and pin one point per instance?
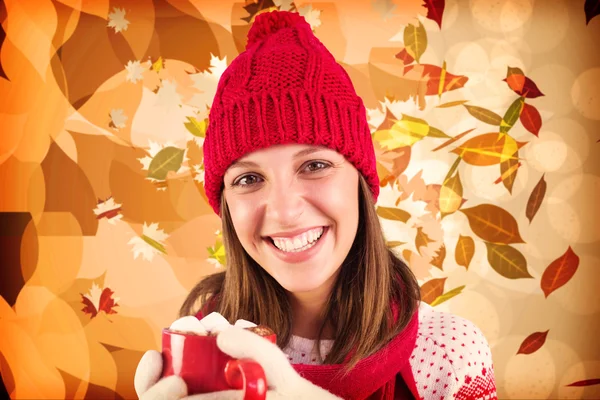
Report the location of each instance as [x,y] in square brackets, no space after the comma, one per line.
[189,324]
[213,323]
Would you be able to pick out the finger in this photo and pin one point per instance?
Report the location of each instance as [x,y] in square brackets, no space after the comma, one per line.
[241,343]
[169,388]
[148,371]
[224,395]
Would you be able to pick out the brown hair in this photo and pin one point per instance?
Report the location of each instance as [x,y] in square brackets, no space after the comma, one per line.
[370,279]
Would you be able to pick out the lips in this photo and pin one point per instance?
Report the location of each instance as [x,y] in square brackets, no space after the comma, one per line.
[302,254]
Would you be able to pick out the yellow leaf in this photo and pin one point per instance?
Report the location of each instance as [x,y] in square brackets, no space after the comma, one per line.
[197,128]
[415,40]
[168,159]
[158,65]
[507,261]
[404,132]
[447,296]
[394,214]
[488,149]
[465,249]
[451,195]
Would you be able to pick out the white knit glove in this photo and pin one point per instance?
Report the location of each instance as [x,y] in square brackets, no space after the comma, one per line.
[284,382]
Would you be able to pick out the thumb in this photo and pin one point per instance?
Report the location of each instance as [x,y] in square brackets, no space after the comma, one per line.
[147,372]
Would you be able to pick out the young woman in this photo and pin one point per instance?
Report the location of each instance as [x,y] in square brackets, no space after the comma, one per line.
[290,168]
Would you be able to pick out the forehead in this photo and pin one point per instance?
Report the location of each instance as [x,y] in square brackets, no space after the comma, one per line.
[285,151]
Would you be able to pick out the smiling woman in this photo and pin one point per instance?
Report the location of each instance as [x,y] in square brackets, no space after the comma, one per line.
[290,168]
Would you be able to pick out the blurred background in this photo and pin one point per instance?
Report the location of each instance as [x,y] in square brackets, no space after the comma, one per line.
[485,117]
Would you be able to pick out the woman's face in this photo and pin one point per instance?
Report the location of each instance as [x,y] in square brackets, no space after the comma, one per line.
[295,211]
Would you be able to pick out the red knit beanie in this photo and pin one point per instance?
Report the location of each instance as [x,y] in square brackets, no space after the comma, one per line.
[286,87]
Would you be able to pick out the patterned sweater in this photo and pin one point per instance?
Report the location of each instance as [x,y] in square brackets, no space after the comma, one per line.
[450,359]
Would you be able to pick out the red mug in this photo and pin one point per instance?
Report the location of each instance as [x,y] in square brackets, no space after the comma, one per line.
[205,368]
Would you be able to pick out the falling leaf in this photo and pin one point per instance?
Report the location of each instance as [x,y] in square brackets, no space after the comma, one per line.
[405,132]
[284,5]
[150,243]
[520,84]
[168,159]
[435,10]
[421,239]
[108,209]
[508,172]
[493,224]
[206,82]
[439,257]
[559,272]
[394,214]
[488,149]
[447,296]
[415,40]
[454,139]
[255,6]
[393,244]
[587,382]
[432,289]
[117,20]
[97,300]
[535,199]
[533,342]
[391,163]
[197,128]
[167,95]
[451,195]
[217,252]
[158,65]
[592,9]
[531,119]
[404,56]
[484,115]
[117,119]
[507,261]
[465,250]
[512,115]
[453,104]
[313,17]
[135,71]
[433,74]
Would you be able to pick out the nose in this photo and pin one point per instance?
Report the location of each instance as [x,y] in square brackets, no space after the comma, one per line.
[285,204]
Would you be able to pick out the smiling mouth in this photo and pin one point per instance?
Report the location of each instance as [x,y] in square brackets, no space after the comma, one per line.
[298,243]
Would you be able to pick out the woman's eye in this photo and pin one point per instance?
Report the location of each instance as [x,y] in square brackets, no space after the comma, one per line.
[315,166]
[246,180]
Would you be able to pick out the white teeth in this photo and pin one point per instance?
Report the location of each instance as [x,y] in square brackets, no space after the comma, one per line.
[299,243]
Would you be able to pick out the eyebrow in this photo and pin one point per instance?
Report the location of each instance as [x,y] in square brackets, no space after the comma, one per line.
[251,164]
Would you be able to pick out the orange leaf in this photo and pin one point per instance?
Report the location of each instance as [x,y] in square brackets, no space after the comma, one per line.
[493,224]
[432,289]
[421,240]
[559,272]
[522,85]
[465,250]
[405,57]
[107,303]
[587,382]
[488,149]
[434,74]
[535,199]
[508,170]
[454,139]
[531,119]
[533,342]
[440,256]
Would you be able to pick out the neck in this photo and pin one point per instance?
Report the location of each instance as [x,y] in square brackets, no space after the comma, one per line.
[308,314]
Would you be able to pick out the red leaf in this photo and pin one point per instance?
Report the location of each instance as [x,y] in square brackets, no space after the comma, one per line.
[89,307]
[435,10]
[521,85]
[434,73]
[559,272]
[533,342]
[591,8]
[107,303]
[587,382]
[405,57]
[531,119]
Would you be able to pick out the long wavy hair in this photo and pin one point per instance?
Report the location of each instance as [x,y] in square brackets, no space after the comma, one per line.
[370,279]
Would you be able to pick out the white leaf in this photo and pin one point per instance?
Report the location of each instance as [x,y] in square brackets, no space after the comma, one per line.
[117,20]
[313,17]
[206,82]
[167,95]
[284,5]
[118,118]
[135,71]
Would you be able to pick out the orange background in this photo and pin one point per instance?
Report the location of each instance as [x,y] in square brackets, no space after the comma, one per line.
[98,251]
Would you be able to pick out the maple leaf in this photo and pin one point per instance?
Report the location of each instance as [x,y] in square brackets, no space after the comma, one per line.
[108,209]
[285,5]
[117,20]
[150,243]
[154,149]
[134,71]
[253,7]
[199,170]
[313,17]
[217,252]
[206,82]
[167,95]
[97,300]
[117,119]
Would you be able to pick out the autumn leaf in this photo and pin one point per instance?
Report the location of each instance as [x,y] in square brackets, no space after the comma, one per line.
[535,199]
[508,172]
[394,214]
[454,139]
[559,272]
[484,115]
[592,9]
[520,84]
[97,300]
[404,56]
[435,10]
[507,261]
[393,243]
[253,7]
[531,119]
[168,159]
[440,255]
[587,382]
[447,296]
[512,115]
[216,253]
[312,16]
[533,342]
[405,132]
[432,289]
[488,149]
[415,40]
[433,74]
[493,224]
[117,20]
[421,239]
[197,128]
[465,250]
[391,163]
[451,195]
[452,104]
[158,65]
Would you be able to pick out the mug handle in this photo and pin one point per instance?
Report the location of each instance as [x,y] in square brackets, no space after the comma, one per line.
[247,375]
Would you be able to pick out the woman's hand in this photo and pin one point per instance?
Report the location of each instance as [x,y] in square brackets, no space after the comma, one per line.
[148,384]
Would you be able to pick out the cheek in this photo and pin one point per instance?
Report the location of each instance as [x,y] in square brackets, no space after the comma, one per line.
[243,216]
